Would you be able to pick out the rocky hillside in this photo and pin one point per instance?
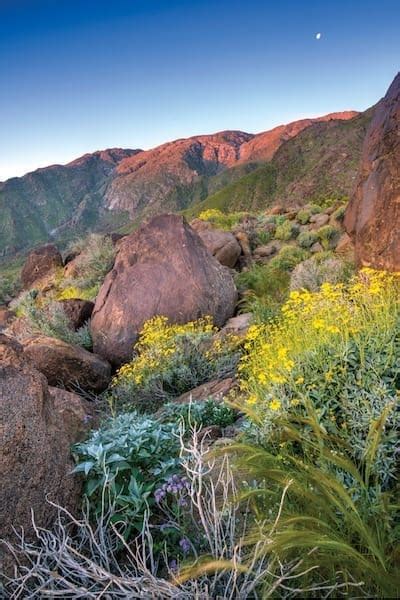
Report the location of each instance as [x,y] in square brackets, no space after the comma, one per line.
[106,187]
[43,203]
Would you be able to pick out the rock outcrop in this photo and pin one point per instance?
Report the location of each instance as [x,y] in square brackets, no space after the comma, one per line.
[161,269]
[40,263]
[66,365]
[373,216]
[35,460]
[222,244]
[77,311]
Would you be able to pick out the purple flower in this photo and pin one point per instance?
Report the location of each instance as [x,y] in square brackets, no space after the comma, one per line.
[185,545]
[173,565]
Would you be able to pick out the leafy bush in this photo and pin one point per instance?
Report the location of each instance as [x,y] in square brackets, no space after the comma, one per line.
[287,258]
[171,360]
[123,463]
[327,236]
[221,220]
[323,384]
[320,353]
[264,289]
[286,231]
[303,216]
[264,236]
[307,238]
[339,213]
[200,414]
[315,271]
[94,262]
[213,558]
[50,319]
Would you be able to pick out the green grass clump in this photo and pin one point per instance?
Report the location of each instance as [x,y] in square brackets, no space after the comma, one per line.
[286,231]
[303,216]
[264,289]
[200,414]
[327,236]
[307,238]
[288,257]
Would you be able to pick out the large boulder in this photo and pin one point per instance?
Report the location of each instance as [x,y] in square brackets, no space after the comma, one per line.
[222,244]
[66,365]
[40,262]
[161,269]
[373,215]
[35,459]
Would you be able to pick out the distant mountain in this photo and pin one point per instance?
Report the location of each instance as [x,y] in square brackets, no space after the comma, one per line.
[105,189]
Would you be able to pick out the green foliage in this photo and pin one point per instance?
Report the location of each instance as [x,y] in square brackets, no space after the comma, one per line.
[287,258]
[221,220]
[334,514]
[286,231]
[171,360]
[264,236]
[317,270]
[51,320]
[307,238]
[10,283]
[200,414]
[92,265]
[327,236]
[264,289]
[123,463]
[339,213]
[303,216]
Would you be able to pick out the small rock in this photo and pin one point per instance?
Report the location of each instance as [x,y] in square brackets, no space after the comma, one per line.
[236,325]
[317,247]
[267,250]
[318,220]
[276,210]
[210,433]
[6,316]
[216,389]
[222,244]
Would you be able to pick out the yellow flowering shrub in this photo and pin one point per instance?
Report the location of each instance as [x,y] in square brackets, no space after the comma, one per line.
[171,359]
[334,352]
[220,219]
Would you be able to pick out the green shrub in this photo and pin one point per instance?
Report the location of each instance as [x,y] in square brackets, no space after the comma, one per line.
[339,213]
[287,258]
[51,320]
[315,271]
[327,236]
[303,216]
[307,238]
[93,264]
[221,220]
[286,231]
[264,236]
[172,360]
[315,209]
[200,414]
[263,288]
[123,463]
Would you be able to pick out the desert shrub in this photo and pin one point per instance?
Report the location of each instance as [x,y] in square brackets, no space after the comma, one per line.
[200,414]
[286,231]
[93,263]
[50,319]
[264,289]
[8,289]
[315,271]
[339,213]
[321,352]
[316,209]
[307,238]
[287,258]
[72,292]
[212,560]
[171,360]
[221,220]
[123,463]
[303,216]
[323,384]
[263,237]
[327,236]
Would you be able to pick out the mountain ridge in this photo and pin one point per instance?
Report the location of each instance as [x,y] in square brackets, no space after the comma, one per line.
[108,185]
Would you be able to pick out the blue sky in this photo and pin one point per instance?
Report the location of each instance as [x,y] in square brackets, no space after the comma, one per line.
[81,75]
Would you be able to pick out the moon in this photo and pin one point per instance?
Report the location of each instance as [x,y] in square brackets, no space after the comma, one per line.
[318,36]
